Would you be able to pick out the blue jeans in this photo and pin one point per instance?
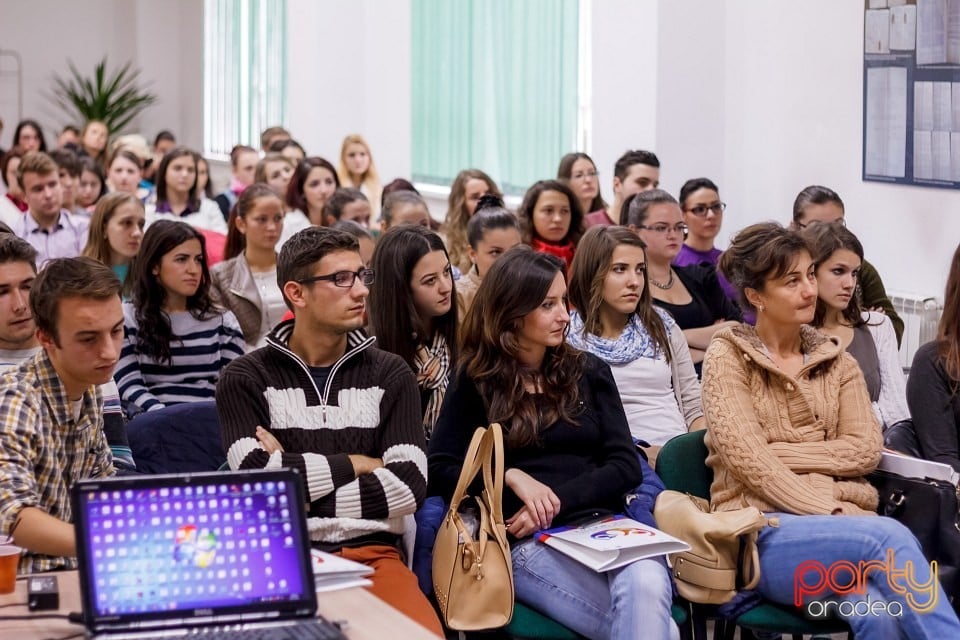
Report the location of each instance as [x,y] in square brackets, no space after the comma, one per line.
[821,543]
[627,603]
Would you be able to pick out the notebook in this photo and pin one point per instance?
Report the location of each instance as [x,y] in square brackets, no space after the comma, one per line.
[195,551]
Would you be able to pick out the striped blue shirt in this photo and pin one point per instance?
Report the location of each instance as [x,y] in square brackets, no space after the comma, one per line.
[199,352]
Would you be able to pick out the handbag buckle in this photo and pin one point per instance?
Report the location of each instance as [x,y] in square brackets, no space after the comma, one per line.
[896,499]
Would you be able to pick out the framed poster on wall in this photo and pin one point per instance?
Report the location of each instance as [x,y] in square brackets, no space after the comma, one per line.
[911,92]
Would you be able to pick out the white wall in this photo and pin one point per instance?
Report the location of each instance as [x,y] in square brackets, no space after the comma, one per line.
[349,72]
[163,38]
[794,88]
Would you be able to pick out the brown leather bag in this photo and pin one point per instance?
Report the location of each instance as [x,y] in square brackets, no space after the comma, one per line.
[473,574]
[723,555]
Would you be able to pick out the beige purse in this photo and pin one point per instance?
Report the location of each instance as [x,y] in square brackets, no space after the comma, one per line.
[723,555]
[473,573]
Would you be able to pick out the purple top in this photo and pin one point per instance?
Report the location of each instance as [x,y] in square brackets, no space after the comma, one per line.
[599,217]
[689,256]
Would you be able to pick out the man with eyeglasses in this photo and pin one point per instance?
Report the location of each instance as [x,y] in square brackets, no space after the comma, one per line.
[634,171]
[817,203]
[320,398]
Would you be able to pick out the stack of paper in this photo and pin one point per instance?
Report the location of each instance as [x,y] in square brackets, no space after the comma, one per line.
[331,572]
[910,467]
[612,542]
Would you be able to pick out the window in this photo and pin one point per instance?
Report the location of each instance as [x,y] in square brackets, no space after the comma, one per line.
[244,73]
[494,88]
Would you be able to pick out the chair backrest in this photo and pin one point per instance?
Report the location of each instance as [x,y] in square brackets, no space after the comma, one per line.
[681,464]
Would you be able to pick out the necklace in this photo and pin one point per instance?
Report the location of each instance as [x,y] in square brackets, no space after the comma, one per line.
[663,286]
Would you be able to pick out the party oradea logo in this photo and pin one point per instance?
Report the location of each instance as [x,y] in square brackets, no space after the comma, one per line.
[846,587]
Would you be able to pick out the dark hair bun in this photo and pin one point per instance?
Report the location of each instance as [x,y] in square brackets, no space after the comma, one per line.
[488,201]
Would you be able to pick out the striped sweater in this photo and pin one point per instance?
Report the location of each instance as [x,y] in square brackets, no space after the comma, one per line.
[369,406]
[201,349]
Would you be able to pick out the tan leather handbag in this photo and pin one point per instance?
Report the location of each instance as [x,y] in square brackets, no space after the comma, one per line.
[723,554]
[472,572]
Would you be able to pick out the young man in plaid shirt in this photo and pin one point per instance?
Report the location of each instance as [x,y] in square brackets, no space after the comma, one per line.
[51,409]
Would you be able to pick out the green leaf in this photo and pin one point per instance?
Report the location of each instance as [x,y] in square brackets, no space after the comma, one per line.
[114,97]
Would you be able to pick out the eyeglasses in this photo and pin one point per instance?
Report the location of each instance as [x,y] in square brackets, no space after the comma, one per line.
[803,225]
[584,175]
[663,229]
[701,209]
[343,279]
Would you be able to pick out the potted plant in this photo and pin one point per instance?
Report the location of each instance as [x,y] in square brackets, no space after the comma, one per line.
[115,98]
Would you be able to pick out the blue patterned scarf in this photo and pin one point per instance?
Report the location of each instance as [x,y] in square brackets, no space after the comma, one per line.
[635,342]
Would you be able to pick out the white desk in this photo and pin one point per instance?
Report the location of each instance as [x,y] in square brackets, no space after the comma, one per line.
[368,617]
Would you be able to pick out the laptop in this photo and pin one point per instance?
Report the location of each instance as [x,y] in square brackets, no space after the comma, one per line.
[212,553]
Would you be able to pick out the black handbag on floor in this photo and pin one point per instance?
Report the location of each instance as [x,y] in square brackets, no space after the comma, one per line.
[929,508]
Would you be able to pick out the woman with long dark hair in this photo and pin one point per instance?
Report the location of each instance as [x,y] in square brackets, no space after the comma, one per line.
[551,220]
[933,388]
[866,335]
[568,450]
[313,182]
[177,197]
[413,310]
[615,319]
[578,172]
[176,340]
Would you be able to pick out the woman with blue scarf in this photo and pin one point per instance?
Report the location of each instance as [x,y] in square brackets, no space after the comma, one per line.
[615,320]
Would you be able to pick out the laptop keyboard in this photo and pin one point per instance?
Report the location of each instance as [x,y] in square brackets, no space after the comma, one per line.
[312,630]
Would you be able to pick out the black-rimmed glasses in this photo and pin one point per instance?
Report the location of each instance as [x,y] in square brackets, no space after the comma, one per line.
[701,210]
[343,279]
[679,229]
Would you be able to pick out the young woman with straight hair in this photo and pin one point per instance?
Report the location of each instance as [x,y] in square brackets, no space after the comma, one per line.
[551,220]
[116,234]
[357,169]
[615,319]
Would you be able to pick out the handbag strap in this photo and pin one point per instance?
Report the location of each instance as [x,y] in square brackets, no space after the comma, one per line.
[472,463]
[493,469]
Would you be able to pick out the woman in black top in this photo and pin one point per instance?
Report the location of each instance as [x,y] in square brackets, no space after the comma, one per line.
[933,388]
[568,449]
[691,294]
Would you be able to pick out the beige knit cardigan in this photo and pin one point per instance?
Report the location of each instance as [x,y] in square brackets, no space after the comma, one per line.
[799,444]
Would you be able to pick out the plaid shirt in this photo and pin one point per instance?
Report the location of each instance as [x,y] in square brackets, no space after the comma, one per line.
[44,450]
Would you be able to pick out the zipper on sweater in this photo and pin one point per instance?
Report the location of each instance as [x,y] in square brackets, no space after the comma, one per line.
[333,370]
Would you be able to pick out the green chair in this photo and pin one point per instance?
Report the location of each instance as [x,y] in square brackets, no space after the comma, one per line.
[681,465]
[528,624]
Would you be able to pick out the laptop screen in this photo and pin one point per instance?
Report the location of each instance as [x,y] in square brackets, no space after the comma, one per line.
[200,544]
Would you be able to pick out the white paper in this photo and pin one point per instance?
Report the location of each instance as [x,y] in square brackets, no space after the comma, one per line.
[953,31]
[931,32]
[955,156]
[955,102]
[903,28]
[876,28]
[940,147]
[942,111]
[923,155]
[886,122]
[923,106]
[910,467]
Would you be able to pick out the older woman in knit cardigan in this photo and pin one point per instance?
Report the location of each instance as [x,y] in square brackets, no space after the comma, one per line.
[791,431]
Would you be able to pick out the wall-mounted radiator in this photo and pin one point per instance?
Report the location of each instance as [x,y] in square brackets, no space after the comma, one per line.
[920,317]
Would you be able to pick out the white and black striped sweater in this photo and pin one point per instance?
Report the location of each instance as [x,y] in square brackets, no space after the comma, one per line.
[369,406]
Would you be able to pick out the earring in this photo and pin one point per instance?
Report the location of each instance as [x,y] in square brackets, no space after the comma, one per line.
[760,308]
